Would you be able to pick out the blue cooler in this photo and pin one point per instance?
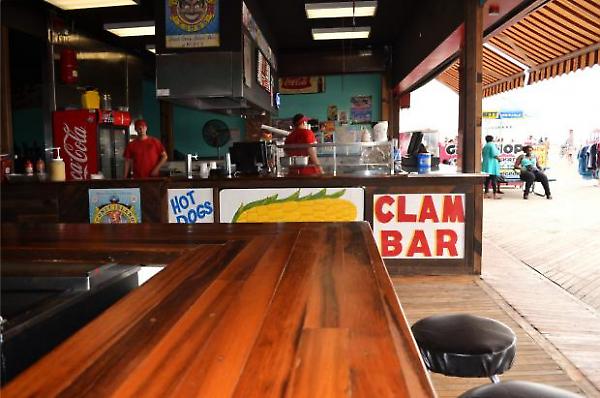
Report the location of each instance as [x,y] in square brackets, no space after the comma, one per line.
[424,163]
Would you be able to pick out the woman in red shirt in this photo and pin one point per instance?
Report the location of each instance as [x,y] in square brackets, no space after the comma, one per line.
[303,135]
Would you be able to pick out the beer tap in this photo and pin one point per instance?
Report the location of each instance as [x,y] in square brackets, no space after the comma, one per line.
[188,164]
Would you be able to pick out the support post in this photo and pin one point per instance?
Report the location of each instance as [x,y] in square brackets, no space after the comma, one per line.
[166,127]
[470,89]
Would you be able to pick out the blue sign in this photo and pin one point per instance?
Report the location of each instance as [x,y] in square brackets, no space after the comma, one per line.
[115,206]
[191,23]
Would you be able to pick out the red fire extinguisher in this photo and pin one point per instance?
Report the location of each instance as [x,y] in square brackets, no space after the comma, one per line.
[68,66]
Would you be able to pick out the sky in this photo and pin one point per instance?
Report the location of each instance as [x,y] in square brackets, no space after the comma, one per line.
[551,107]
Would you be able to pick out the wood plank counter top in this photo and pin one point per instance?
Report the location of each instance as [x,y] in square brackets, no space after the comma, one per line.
[256,310]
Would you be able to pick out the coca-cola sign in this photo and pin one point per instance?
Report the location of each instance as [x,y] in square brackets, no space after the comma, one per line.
[75,131]
[75,146]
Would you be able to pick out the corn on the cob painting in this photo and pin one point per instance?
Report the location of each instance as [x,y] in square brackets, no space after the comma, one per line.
[300,205]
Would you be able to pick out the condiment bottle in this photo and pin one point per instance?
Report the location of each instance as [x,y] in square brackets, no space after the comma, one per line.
[28,168]
[57,167]
[40,166]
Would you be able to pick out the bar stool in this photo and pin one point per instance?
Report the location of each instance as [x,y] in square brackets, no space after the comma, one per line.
[464,345]
[521,389]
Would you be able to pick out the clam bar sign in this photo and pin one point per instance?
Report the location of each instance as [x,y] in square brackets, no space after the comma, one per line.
[419,226]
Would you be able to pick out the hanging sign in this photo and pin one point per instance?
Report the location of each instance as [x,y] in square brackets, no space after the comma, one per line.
[419,226]
[191,23]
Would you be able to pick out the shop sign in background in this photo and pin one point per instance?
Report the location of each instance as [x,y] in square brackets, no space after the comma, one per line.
[191,206]
[419,226]
[291,205]
[115,206]
[191,23]
[510,152]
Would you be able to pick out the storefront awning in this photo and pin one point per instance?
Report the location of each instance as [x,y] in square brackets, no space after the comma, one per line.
[558,37]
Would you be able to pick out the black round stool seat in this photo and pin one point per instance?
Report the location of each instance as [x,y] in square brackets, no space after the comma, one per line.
[517,389]
[465,345]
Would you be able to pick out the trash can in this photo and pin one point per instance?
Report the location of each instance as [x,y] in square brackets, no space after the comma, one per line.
[424,163]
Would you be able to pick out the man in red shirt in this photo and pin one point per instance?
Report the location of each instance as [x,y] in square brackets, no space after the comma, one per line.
[145,155]
[302,135]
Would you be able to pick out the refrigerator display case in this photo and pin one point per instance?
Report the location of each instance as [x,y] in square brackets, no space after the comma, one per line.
[91,141]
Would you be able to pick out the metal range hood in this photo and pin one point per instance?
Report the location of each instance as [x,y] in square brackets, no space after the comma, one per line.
[212,81]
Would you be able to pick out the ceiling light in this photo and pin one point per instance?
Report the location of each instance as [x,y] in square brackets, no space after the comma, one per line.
[151,48]
[78,4]
[126,29]
[341,9]
[341,33]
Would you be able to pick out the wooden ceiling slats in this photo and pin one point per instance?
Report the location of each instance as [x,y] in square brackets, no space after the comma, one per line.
[551,41]
[574,13]
[557,34]
[590,5]
[560,37]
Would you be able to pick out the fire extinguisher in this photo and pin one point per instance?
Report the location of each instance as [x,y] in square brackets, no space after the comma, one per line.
[68,66]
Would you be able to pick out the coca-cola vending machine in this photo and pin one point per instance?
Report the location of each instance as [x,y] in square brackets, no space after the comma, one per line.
[91,141]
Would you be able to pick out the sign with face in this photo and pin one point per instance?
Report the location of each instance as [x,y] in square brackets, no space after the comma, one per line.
[191,23]
[115,206]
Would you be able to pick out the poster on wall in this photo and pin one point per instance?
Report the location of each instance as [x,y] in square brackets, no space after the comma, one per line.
[191,23]
[332,112]
[115,206]
[361,108]
[191,206]
[419,226]
[302,85]
[291,205]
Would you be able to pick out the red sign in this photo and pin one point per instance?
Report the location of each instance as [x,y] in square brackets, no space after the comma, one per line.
[75,132]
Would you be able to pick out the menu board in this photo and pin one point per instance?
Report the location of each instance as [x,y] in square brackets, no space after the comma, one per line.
[263,72]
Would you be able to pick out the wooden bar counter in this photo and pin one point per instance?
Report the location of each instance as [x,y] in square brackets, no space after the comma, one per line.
[68,202]
[254,310]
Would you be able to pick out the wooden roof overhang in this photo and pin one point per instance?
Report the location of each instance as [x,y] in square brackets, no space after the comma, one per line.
[558,37]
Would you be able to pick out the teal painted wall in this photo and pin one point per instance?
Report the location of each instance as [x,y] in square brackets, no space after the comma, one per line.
[28,126]
[187,125]
[338,91]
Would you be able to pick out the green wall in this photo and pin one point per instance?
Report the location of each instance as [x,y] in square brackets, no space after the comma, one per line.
[28,126]
[338,91]
[187,125]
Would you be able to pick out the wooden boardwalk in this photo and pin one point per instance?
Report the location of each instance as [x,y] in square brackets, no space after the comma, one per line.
[541,256]
[428,295]
[559,238]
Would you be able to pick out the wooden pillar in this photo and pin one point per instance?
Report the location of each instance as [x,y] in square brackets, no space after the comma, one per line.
[390,108]
[6,142]
[469,124]
[166,127]
[470,89]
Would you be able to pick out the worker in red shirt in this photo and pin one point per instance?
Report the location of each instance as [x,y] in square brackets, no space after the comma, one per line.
[301,134]
[145,155]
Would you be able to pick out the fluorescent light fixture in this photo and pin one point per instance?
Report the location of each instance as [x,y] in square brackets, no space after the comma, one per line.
[151,48]
[127,29]
[341,9]
[79,4]
[341,33]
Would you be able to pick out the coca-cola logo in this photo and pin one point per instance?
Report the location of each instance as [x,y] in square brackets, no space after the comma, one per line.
[75,146]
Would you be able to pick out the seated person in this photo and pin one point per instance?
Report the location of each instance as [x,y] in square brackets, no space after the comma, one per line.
[302,135]
[531,171]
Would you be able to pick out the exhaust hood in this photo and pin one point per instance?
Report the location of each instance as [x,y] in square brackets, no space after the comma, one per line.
[211,81]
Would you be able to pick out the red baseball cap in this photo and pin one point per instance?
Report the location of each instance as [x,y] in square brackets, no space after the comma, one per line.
[139,123]
[299,119]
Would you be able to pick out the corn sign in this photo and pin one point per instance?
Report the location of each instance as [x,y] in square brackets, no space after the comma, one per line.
[291,205]
[419,225]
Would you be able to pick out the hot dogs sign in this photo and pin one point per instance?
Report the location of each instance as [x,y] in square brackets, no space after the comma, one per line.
[419,226]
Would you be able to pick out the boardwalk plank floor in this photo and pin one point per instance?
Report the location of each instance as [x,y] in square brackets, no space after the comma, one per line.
[429,295]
